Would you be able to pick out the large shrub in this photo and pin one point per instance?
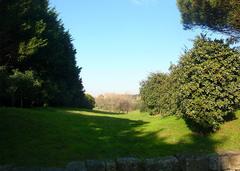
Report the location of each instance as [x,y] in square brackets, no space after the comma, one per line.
[209,79]
[88,102]
[24,88]
[155,94]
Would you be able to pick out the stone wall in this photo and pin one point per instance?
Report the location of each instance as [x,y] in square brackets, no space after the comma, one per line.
[215,162]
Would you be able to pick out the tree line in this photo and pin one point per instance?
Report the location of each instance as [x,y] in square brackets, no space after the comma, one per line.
[37,57]
[204,86]
[120,103]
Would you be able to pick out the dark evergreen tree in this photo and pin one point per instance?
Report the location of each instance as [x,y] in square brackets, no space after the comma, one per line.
[156,93]
[33,39]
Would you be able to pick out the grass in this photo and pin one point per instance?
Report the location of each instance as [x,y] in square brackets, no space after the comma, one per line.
[53,136]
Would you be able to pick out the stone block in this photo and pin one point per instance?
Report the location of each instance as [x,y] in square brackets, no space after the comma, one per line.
[110,165]
[224,163]
[234,160]
[129,164]
[76,166]
[52,169]
[213,163]
[162,164]
[95,165]
[6,168]
[199,163]
[27,169]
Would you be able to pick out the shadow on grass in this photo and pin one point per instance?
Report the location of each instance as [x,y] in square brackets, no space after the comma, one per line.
[53,138]
[101,112]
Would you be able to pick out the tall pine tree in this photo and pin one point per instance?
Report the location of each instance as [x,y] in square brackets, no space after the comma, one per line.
[34,39]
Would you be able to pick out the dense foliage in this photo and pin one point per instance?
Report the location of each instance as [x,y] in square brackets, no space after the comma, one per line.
[36,53]
[216,15]
[203,88]
[89,101]
[209,73]
[155,93]
[209,77]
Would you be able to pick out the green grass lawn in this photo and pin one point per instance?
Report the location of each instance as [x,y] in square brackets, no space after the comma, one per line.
[53,137]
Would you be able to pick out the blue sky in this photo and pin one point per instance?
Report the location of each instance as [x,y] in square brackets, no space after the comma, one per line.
[119,42]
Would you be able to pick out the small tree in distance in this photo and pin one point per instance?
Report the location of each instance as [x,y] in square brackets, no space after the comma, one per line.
[89,101]
[158,93]
[124,105]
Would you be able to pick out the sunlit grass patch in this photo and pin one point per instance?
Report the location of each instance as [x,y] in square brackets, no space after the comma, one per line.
[55,136]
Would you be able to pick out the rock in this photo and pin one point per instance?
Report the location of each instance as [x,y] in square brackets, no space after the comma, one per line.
[234,160]
[182,160]
[26,169]
[224,163]
[6,168]
[95,165]
[216,162]
[76,166]
[110,165]
[199,163]
[213,164]
[52,169]
[129,164]
[36,169]
[162,164]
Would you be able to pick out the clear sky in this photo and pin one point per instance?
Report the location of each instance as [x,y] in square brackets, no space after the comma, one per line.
[119,42]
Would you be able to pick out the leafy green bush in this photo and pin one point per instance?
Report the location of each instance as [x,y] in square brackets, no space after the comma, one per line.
[155,94]
[19,89]
[209,78]
[24,88]
[88,101]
